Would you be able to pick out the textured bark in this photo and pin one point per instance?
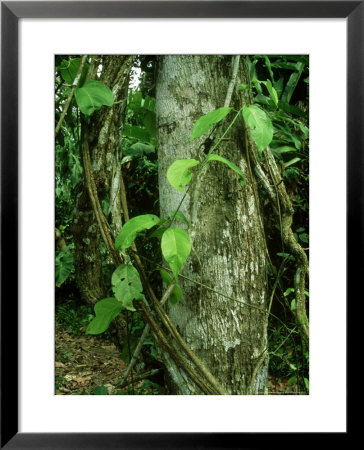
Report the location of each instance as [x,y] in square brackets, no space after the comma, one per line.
[226,326]
[104,134]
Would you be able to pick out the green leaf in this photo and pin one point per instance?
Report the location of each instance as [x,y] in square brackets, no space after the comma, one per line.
[260,125]
[135,100]
[295,123]
[297,141]
[150,104]
[139,133]
[131,228]
[264,100]
[284,149]
[76,172]
[176,294]
[304,237]
[293,304]
[292,109]
[101,390]
[60,379]
[292,82]
[288,291]
[292,380]
[106,310]
[253,74]
[176,247]
[278,86]
[150,122]
[272,92]
[68,70]
[63,265]
[284,65]
[126,285]
[269,67]
[232,166]
[286,255]
[92,95]
[178,173]
[178,215]
[291,162]
[307,384]
[243,87]
[207,121]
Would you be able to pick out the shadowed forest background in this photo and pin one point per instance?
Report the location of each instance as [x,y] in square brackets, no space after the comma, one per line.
[182,224]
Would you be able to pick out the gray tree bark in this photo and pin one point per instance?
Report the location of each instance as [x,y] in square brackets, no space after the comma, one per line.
[224,320]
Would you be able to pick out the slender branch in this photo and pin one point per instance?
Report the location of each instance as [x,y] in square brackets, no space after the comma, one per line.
[137,378]
[253,378]
[144,335]
[91,186]
[74,85]
[232,81]
[292,245]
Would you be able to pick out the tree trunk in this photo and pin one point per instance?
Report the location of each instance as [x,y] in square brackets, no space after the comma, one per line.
[224,320]
[103,131]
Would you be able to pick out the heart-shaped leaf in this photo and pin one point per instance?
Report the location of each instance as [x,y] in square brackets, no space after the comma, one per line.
[126,285]
[92,95]
[68,70]
[106,310]
[176,247]
[260,125]
[178,173]
[206,122]
[63,265]
[131,228]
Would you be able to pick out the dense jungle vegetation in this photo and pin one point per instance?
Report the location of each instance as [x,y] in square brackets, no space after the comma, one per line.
[181,224]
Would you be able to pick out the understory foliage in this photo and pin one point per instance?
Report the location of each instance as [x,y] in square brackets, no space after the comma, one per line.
[275,111]
[280,86]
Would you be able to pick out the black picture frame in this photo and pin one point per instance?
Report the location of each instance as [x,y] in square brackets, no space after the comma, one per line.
[11,12]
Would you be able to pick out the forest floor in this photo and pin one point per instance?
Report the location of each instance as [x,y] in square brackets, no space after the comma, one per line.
[85,363]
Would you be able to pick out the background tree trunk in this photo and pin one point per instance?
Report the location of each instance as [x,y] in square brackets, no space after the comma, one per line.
[225,325]
[103,132]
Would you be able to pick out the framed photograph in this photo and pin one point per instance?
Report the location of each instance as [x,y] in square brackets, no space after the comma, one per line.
[320,46]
